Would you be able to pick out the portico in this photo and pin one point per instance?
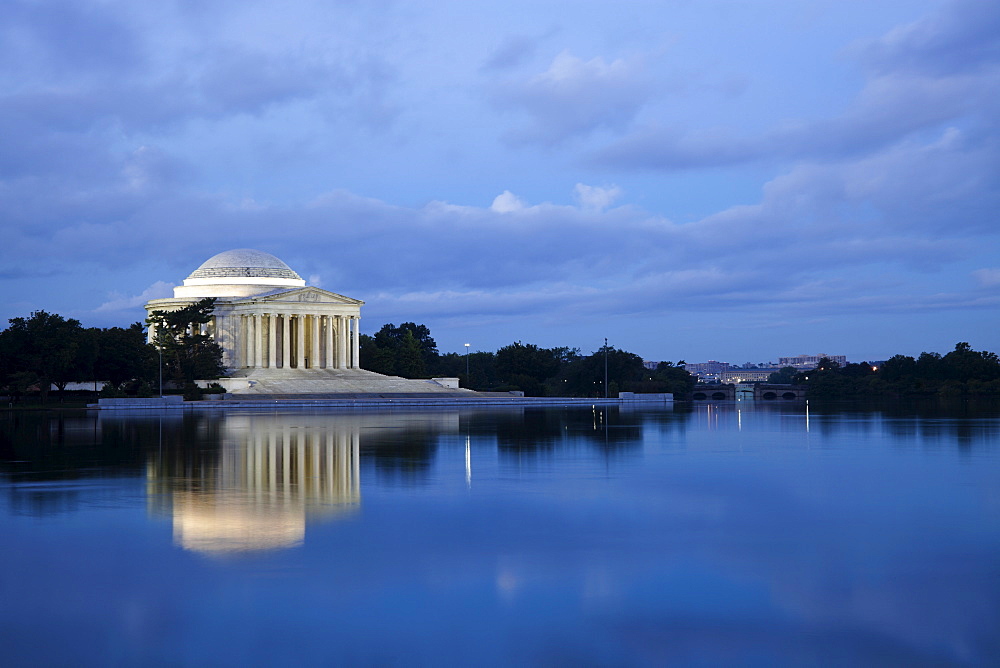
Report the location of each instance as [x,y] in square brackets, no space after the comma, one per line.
[280,334]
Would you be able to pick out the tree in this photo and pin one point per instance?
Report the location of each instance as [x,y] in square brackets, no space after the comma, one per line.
[965,364]
[673,378]
[409,360]
[584,376]
[783,376]
[826,364]
[44,349]
[376,358]
[898,367]
[526,366]
[407,350]
[122,355]
[187,353]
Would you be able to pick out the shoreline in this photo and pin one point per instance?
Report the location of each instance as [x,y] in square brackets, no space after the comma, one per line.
[176,403]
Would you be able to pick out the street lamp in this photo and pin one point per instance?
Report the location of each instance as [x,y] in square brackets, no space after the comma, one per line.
[159,355]
[605,367]
[467,364]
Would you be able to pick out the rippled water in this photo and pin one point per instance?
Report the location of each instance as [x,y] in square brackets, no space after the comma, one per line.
[767,533]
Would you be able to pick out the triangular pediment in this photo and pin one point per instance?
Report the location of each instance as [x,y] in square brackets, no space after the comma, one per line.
[307,295]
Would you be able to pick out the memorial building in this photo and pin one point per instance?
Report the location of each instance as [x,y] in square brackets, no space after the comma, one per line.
[279,335]
[266,317]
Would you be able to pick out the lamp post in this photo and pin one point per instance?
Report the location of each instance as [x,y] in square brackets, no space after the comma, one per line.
[467,365]
[159,355]
[605,367]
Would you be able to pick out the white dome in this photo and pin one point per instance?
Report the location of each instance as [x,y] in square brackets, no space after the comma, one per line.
[241,272]
[244,263]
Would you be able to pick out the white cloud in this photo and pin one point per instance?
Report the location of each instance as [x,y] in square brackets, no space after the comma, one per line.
[596,198]
[507,202]
[120,302]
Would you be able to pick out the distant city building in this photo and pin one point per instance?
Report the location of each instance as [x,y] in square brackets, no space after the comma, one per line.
[650,364]
[747,375]
[810,361]
[711,367]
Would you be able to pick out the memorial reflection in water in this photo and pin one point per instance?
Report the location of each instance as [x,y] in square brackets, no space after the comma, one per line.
[257,489]
[248,482]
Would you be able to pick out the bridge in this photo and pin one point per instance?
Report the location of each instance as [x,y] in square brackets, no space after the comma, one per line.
[763,391]
[713,392]
[767,391]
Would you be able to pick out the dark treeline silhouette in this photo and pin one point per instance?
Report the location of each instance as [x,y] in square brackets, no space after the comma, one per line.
[409,351]
[962,372]
[45,350]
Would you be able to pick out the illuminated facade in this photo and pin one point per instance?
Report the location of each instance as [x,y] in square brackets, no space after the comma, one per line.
[266,317]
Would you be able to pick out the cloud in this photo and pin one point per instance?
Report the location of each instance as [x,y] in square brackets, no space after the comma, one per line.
[506,202]
[514,50]
[987,278]
[67,39]
[120,302]
[783,251]
[574,97]
[596,198]
[210,126]
[962,36]
[660,148]
[937,72]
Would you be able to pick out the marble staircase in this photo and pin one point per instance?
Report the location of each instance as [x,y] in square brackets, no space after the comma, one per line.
[281,382]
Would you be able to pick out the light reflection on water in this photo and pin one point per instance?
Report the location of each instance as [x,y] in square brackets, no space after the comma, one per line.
[742,532]
[255,490]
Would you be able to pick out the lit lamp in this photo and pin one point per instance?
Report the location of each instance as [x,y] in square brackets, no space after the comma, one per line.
[467,364]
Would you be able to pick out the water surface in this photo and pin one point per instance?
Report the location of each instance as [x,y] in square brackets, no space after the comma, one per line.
[754,533]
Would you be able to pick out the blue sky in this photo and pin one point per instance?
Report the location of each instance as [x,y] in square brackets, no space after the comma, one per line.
[735,180]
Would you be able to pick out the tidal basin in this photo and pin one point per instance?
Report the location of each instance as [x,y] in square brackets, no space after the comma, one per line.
[761,533]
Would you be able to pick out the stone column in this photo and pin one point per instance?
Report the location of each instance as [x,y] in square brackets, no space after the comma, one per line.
[341,342]
[356,356]
[245,342]
[328,341]
[286,341]
[315,347]
[272,340]
[258,341]
[251,340]
[300,340]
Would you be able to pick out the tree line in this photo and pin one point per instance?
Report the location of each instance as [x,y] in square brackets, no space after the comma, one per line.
[46,349]
[961,372]
[410,351]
